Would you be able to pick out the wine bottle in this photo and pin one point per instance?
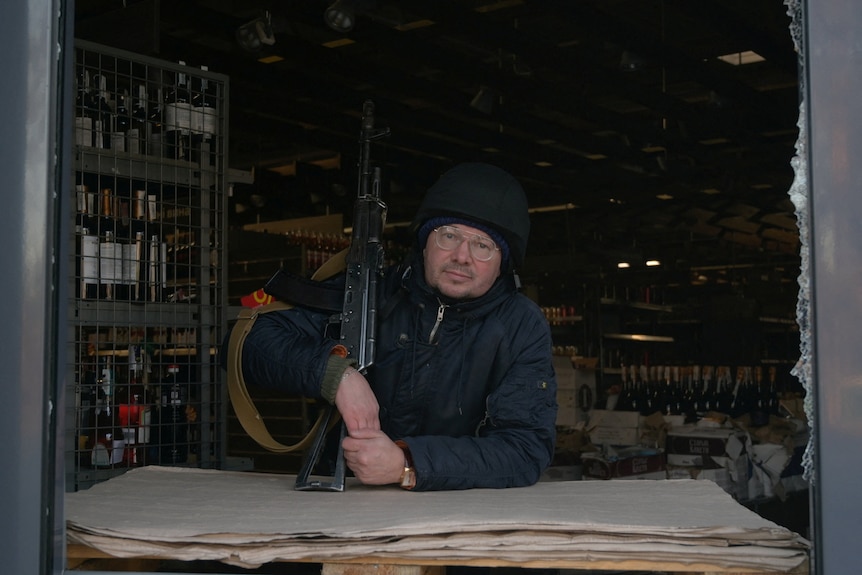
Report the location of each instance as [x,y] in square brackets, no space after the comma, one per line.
[174,431]
[204,122]
[110,257]
[136,137]
[83,110]
[134,415]
[155,127]
[106,444]
[625,400]
[87,244]
[102,123]
[178,119]
[122,122]
[156,254]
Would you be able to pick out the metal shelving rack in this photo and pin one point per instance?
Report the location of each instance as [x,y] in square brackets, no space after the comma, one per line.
[148,294]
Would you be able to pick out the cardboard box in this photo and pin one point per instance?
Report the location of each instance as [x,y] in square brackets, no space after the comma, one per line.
[608,427]
[576,391]
[709,448]
[697,446]
[649,464]
[608,418]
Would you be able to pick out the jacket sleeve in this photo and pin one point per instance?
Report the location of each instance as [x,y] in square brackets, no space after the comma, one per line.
[515,442]
[288,351]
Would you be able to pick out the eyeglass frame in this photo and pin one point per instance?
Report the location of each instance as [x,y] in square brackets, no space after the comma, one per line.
[465,236]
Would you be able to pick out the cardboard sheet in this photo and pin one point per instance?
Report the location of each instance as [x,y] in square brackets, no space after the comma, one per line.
[249,519]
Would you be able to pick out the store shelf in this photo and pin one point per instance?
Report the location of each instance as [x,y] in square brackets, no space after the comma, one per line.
[639,337]
[147,288]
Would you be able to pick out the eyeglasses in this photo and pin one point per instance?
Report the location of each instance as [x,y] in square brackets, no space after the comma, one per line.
[449,238]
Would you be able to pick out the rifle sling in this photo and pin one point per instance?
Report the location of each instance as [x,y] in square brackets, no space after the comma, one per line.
[243,405]
[301,291]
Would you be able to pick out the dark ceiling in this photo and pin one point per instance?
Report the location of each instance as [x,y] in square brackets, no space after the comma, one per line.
[627,131]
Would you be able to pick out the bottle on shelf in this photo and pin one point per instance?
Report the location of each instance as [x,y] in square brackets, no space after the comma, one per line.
[136,249]
[106,444]
[87,244]
[134,413]
[122,122]
[172,442]
[155,127]
[84,110]
[102,125]
[156,268]
[204,122]
[177,134]
[136,140]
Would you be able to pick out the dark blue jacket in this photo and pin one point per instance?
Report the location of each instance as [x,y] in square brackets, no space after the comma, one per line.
[477,405]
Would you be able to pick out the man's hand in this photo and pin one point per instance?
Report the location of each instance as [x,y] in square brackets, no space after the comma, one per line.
[356,402]
[373,457]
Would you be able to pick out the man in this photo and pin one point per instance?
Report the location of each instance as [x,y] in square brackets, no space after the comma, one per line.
[462,393]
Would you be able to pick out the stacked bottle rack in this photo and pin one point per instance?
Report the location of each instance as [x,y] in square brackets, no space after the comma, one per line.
[148,291]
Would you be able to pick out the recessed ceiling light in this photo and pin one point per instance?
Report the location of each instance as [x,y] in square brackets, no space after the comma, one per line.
[270,59]
[742,58]
[652,149]
[498,5]
[338,43]
[713,141]
[543,164]
[710,191]
[664,196]
[414,25]
[624,265]
[652,263]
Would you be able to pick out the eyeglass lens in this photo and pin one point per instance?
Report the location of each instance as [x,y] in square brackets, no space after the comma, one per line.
[449,238]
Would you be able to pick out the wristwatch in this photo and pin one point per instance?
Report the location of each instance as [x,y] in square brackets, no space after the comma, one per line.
[408,475]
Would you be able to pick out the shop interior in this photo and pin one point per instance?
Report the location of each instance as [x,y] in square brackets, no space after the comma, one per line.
[654,140]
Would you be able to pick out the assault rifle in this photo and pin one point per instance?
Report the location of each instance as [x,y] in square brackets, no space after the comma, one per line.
[358,318]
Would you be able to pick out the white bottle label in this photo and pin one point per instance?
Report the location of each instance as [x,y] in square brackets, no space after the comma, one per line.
[84,131]
[110,262]
[89,260]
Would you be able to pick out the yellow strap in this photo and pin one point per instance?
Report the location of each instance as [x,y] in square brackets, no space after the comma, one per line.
[243,405]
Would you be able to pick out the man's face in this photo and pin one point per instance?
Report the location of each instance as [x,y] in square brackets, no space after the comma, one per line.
[456,273]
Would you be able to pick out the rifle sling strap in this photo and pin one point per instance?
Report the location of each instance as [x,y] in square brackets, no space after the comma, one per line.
[301,291]
[240,398]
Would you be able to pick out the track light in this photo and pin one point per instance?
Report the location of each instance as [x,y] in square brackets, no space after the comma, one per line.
[632,61]
[485,100]
[252,35]
[341,15]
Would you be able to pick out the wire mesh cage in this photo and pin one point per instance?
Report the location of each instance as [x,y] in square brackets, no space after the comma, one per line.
[147,300]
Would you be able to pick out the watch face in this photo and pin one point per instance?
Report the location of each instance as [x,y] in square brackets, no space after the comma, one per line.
[408,478]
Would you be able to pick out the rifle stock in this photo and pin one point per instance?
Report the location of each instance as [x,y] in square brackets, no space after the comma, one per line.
[363,268]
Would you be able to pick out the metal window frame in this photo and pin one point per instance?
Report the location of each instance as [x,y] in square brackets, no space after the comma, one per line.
[39,34]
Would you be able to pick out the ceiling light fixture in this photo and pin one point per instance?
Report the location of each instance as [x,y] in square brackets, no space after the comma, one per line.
[631,61]
[652,263]
[252,35]
[485,100]
[341,15]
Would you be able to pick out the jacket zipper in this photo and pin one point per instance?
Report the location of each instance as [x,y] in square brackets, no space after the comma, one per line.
[440,310]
